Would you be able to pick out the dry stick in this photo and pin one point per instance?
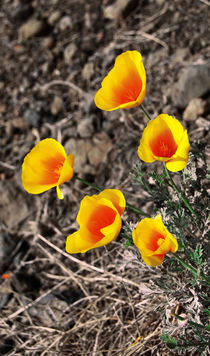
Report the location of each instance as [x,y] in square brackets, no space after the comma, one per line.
[68,271]
[155,16]
[51,345]
[132,308]
[68,84]
[45,328]
[74,278]
[87,266]
[76,260]
[89,323]
[140,344]
[205,2]
[26,311]
[7,165]
[96,340]
[153,38]
[23,346]
[122,324]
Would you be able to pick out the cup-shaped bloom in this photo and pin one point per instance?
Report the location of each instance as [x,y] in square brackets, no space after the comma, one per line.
[46,166]
[125,85]
[153,240]
[165,139]
[99,219]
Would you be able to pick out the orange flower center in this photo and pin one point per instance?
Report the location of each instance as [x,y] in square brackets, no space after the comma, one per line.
[52,170]
[129,90]
[163,145]
[155,241]
[102,216]
[160,241]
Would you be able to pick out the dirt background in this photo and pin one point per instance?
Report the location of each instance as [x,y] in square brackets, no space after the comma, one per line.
[53,55]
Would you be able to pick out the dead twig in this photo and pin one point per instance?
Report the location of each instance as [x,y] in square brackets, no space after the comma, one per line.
[87,266]
[7,166]
[71,85]
[206,2]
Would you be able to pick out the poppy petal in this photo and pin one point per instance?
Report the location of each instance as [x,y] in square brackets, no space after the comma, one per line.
[125,84]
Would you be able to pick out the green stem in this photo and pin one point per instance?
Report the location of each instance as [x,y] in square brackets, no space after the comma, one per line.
[148,188]
[192,269]
[184,199]
[128,237]
[88,183]
[128,206]
[145,112]
[136,210]
[125,235]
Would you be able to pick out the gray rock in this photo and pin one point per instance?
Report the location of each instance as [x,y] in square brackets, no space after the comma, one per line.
[65,23]
[32,117]
[88,71]
[80,149]
[13,207]
[47,42]
[85,128]
[194,109]
[31,28]
[69,52]
[157,57]
[96,156]
[98,153]
[193,83]
[93,150]
[119,8]
[201,122]
[159,2]
[54,17]
[179,55]
[56,106]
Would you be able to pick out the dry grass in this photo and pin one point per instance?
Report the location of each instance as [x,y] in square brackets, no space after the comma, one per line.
[114,312]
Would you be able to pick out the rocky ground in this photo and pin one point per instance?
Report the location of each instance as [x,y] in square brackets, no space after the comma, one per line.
[54,54]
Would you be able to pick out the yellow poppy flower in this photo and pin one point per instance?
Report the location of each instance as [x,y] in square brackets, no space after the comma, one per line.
[125,85]
[46,166]
[153,240]
[165,139]
[100,221]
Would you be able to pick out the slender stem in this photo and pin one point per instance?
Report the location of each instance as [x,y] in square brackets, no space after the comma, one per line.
[136,210]
[186,265]
[184,199]
[128,206]
[128,237]
[148,188]
[145,112]
[192,269]
[124,235]
[88,183]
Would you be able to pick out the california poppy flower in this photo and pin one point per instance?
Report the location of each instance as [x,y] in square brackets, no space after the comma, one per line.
[46,166]
[153,240]
[99,219]
[165,139]
[125,85]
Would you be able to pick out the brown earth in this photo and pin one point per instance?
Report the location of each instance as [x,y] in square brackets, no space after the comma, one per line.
[54,55]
